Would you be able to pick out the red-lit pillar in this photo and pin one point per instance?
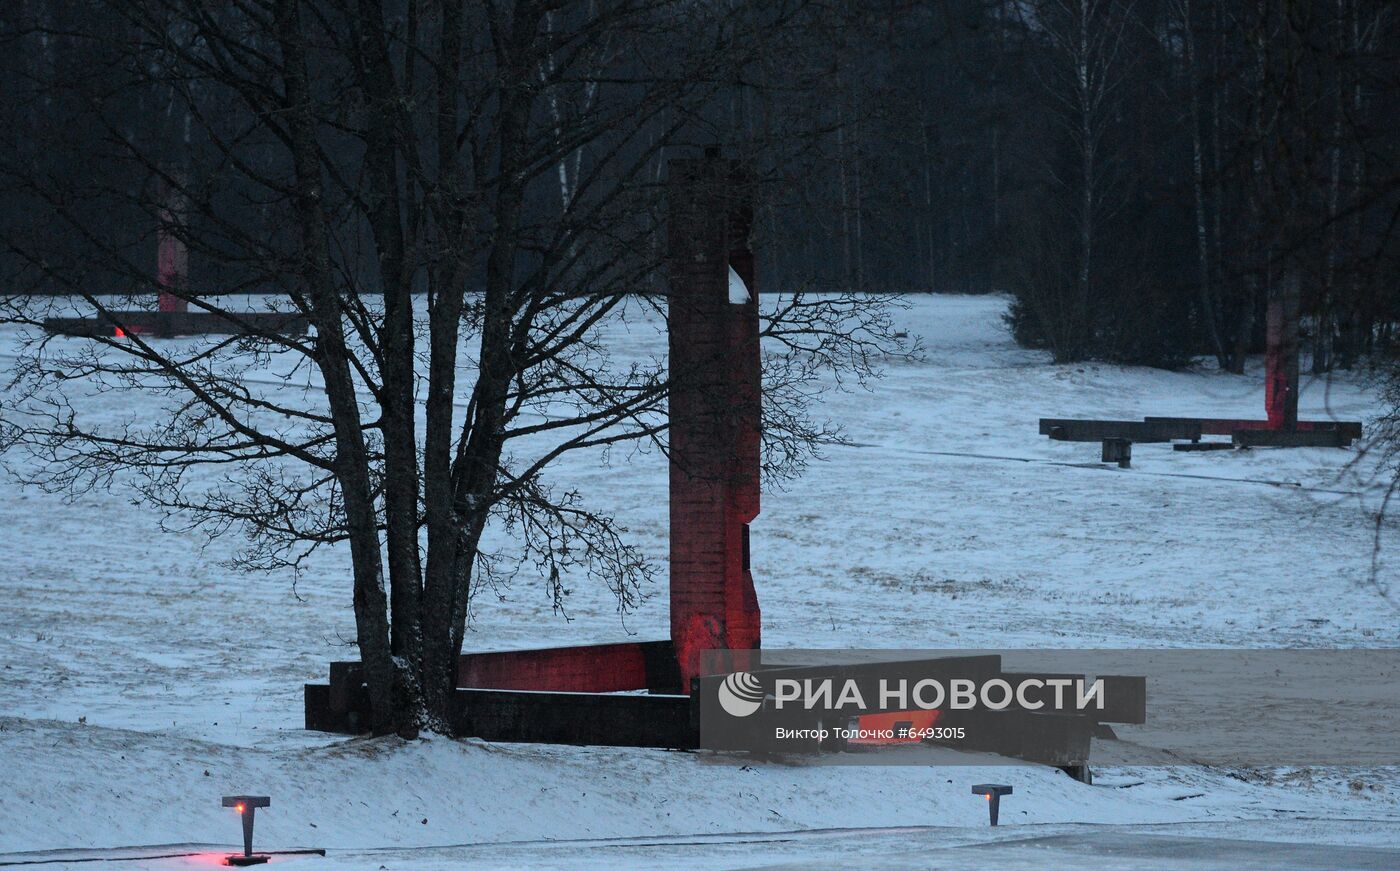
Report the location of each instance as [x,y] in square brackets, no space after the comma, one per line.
[1281,357]
[715,410]
[172,257]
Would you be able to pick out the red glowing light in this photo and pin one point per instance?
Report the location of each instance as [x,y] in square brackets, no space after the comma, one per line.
[120,333]
[238,807]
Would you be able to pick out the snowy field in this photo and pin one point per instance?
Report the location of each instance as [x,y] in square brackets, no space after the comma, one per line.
[140,679]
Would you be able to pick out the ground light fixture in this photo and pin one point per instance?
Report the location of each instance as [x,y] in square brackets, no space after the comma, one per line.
[993,792]
[247,806]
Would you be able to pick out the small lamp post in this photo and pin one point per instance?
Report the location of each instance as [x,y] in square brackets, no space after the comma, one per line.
[993,792]
[246,805]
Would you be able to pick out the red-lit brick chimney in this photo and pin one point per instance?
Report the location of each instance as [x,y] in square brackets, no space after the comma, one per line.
[172,256]
[715,409]
[1281,356]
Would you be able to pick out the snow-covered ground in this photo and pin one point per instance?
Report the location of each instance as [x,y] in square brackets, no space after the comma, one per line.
[140,679]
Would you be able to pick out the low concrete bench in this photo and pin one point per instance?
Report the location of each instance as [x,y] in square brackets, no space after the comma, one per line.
[1298,438]
[1117,436]
[1349,429]
[1077,430]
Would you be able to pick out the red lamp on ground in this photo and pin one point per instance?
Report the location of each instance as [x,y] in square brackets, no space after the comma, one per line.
[247,806]
[993,792]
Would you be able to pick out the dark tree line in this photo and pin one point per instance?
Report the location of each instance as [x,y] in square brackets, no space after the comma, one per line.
[1140,174]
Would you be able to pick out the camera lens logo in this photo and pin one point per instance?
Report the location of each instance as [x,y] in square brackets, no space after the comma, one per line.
[741,694]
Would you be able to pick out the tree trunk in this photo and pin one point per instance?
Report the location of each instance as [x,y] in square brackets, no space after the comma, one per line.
[352,465]
[1198,191]
[377,78]
[1086,98]
[478,464]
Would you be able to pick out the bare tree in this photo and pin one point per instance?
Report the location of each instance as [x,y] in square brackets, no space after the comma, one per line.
[1081,73]
[497,161]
